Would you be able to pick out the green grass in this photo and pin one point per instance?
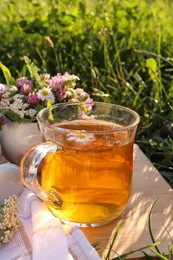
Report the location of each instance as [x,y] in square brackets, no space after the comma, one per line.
[121,50]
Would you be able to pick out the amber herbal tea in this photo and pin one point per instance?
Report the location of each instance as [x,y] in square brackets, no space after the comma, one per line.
[93,173]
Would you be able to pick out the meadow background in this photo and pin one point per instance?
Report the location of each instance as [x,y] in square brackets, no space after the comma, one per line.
[122,50]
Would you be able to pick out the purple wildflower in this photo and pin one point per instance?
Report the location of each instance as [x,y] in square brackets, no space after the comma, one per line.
[24,85]
[66,76]
[2,89]
[57,85]
[60,93]
[3,119]
[81,96]
[33,100]
[56,82]
[89,103]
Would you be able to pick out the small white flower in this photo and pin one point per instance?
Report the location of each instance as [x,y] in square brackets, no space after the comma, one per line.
[21,113]
[4,103]
[31,112]
[70,78]
[7,94]
[17,96]
[46,94]
[68,93]
[9,221]
[18,106]
[80,137]
[79,91]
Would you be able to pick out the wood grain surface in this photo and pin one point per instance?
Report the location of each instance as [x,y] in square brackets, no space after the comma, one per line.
[148,186]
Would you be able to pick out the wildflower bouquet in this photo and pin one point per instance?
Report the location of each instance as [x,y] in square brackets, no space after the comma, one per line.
[22,99]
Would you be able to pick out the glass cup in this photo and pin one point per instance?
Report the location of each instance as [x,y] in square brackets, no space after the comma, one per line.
[83,169]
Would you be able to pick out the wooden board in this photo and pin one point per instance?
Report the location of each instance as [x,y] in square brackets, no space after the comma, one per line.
[148,185]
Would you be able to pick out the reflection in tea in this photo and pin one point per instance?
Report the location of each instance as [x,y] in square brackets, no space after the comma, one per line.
[93,174]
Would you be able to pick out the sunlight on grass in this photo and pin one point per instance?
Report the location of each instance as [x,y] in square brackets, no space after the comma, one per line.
[121,50]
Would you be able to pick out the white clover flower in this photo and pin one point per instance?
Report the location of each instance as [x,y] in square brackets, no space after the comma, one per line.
[31,112]
[46,94]
[18,106]
[20,113]
[18,96]
[9,220]
[7,94]
[4,103]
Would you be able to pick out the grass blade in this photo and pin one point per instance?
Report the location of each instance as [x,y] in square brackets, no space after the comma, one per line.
[159,254]
[113,241]
[149,224]
[124,256]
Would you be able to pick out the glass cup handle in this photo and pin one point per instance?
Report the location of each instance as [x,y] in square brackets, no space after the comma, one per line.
[29,168]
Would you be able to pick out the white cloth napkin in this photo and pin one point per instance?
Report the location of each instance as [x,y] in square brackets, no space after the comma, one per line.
[49,238]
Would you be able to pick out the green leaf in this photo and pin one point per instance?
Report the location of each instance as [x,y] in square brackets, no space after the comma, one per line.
[27,120]
[12,116]
[39,107]
[49,104]
[7,74]
[15,118]
[73,93]
[50,114]
[83,98]
[33,70]
[84,108]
